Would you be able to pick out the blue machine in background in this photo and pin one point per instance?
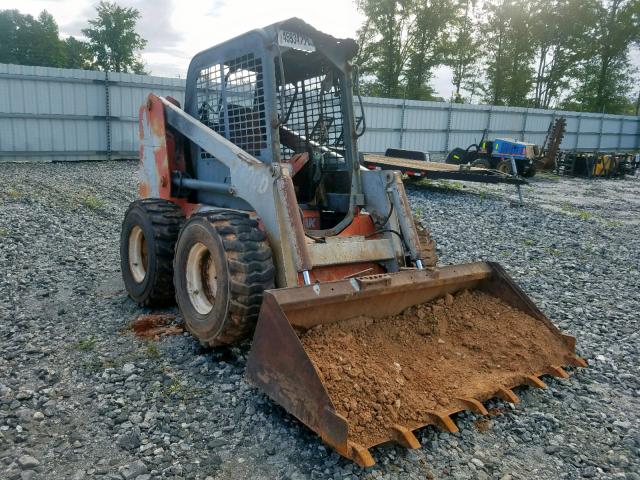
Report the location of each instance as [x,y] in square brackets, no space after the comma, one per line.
[497,154]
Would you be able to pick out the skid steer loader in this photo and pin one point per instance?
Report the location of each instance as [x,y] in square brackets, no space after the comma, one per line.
[257,218]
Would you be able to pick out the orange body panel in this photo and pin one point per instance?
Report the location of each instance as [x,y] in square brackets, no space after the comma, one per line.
[159,155]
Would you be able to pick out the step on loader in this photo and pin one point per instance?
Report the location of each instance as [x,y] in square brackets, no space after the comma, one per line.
[255,216]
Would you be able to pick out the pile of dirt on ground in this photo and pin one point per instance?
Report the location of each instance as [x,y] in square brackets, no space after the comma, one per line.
[381,372]
[154,325]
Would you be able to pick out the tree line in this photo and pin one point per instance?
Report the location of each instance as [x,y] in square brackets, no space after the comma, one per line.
[111,44]
[570,54]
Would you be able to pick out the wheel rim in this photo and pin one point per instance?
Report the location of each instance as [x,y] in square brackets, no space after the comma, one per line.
[137,254]
[504,168]
[201,278]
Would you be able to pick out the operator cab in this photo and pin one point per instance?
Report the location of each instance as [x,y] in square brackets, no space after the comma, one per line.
[283,94]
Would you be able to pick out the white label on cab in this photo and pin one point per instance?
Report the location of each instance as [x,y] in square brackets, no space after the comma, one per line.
[296,41]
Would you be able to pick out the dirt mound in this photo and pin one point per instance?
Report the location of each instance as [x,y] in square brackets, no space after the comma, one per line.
[153,326]
[397,370]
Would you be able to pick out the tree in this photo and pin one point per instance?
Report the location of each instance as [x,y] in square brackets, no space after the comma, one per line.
[383,53]
[25,40]
[604,78]
[429,44]
[465,50]
[509,54]
[48,50]
[561,32]
[401,42]
[112,40]
[77,54]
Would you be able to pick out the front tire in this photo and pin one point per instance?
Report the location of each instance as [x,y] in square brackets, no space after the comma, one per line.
[222,266]
[481,163]
[147,240]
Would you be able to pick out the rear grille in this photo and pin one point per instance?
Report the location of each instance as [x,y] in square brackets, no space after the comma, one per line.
[313,114]
[230,100]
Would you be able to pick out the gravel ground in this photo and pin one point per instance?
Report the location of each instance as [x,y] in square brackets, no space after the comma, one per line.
[82,397]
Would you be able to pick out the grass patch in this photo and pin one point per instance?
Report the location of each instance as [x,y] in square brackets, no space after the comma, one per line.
[174,388]
[86,344]
[610,224]
[575,212]
[528,242]
[92,202]
[552,251]
[452,186]
[549,176]
[4,232]
[13,194]
[152,350]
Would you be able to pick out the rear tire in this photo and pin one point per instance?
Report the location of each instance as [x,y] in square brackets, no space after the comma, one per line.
[147,240]
[504,166]
[222,266]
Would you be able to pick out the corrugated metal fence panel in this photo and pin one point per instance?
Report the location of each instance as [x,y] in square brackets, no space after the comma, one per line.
[52,113]
[127,92]
[61,114]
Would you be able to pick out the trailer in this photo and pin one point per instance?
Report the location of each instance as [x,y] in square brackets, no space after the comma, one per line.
[439,171]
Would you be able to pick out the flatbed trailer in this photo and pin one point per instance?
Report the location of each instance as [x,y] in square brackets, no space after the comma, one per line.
[439,171]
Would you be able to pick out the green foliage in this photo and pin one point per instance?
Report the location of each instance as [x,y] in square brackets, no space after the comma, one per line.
[508,34]
[401,42]
[572,54]
[561,43]
[152,350]
[28,41]
[112,40]
[77,54]
[86,344]
[464,52]
[604,76]
[92,202]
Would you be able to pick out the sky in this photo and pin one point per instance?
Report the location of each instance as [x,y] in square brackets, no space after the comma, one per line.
[177,29]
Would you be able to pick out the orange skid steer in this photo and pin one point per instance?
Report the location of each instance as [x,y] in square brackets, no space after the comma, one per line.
[256,218]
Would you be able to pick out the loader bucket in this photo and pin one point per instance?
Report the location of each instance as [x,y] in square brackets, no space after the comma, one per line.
[366,361]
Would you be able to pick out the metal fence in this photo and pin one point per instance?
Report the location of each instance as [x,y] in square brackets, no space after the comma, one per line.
[59,114]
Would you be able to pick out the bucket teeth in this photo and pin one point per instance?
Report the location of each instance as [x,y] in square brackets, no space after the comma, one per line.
[557,371]
[443,422]
[361,455]
[474,405]
[507,395]
[579,362]
[534,382]
[405,437]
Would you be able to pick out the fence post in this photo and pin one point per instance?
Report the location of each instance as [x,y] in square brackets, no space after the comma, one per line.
[524,124]
[488,125]
[404,108]
[578,128]
[620,130]
[601,132]
[108,113]
[448,132]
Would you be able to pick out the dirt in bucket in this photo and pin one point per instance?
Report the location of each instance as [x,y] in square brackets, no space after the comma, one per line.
[395,370]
